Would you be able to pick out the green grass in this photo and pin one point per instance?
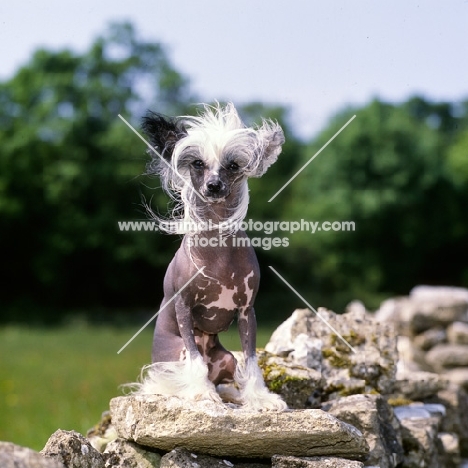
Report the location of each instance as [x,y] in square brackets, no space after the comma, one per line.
[64,377]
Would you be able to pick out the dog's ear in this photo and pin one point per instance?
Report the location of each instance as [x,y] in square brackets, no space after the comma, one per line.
[271,138]
[163,133]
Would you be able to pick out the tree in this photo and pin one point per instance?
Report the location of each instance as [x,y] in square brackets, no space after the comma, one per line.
[69,171]
[388,173]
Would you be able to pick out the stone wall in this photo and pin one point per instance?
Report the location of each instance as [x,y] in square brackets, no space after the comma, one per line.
[385,389]
[400,378]
[432,371]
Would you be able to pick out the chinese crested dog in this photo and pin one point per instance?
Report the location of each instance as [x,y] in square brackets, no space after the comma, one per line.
[204,163]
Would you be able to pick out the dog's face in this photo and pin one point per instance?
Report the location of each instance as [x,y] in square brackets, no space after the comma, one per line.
[215,179]
[216,162]
[210,157]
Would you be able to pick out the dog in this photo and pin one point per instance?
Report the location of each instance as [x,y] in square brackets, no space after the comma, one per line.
[204,163]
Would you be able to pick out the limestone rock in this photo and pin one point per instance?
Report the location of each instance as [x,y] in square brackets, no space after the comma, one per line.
[449,450]
[458,376]
[293,340]
[419,442]
[447,356]
[418,385]
[124,454]
[457,333]
[73,450]
[430,338]
[341,385]
[421,411]
[182,458]
[299,386]
[102,433]
[410,358]
[15,456]
[419,432]
[390,310]
[440,294]
[372,415]
[353,346]
[279,461]
[455,401]
[426,307]
[356,306]
[168,422]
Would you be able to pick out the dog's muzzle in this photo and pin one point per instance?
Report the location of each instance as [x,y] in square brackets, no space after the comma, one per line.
[215,189]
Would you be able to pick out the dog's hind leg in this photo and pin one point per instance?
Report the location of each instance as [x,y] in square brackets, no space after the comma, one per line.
[221,363]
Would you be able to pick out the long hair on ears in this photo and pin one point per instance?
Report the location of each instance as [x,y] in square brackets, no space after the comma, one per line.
[216,136]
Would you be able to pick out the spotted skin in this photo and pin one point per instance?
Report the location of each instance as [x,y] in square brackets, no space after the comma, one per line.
[191,323]
[221,363]
[213,153]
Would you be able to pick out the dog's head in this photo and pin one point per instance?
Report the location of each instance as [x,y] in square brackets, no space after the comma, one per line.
[207,159]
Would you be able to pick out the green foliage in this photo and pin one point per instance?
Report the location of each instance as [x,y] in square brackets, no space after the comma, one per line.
[388,172]
[458,161]
[69,170]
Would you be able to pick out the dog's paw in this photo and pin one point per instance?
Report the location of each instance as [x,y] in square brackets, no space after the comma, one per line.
[263,399]
[254,393]
[229,393]
[196,385]
[274,402]
[187,380]
[212,396]
[204,393]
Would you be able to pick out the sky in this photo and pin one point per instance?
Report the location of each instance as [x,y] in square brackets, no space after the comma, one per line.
[315,57]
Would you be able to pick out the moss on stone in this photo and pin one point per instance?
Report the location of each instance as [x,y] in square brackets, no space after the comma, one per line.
[399,401]
[352,338]
[335,358]
[275,375]
[342,390]
[279,382]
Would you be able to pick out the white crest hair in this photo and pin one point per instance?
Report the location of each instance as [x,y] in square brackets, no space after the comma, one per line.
[213,135]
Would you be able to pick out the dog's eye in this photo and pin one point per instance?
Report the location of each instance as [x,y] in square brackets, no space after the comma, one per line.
[233,166]
[198,164]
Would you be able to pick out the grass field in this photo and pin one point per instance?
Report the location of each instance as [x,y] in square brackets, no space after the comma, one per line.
[64,377]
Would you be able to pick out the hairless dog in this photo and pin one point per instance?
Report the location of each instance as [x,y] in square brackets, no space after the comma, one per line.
[204,163]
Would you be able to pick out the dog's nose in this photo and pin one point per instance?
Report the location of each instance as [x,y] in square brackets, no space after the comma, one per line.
[214,186]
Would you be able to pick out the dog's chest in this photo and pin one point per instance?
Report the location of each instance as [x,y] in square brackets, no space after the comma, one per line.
[228,295]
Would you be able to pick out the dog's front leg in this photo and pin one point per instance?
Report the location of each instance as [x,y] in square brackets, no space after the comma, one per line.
[197,385]
[254,393]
